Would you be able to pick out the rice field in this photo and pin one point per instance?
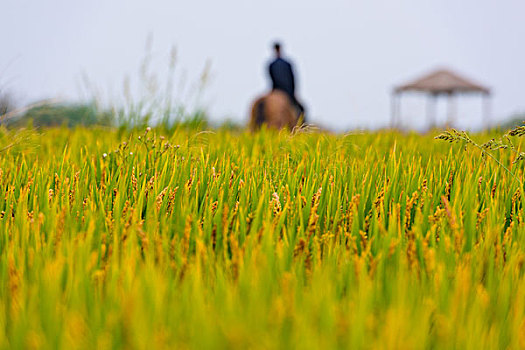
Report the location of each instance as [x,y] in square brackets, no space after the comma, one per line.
[147,239]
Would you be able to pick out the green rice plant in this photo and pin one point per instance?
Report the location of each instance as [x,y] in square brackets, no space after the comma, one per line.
[191,239]
[504,142]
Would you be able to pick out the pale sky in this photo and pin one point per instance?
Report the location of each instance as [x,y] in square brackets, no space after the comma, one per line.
[348,54]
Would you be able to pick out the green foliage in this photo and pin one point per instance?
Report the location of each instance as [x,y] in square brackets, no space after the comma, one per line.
[194,239]
[69,115]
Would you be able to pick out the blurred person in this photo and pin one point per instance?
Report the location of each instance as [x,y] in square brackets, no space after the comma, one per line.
[282,76]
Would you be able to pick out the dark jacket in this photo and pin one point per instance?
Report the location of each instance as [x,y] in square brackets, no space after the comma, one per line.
[282,76]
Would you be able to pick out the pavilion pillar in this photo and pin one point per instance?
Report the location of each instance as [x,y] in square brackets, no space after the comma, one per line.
[486,110]
[392,110]
[452,109]
[431,110]
[395,105]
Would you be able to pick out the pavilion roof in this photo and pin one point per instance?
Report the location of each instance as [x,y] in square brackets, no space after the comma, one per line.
[442,81]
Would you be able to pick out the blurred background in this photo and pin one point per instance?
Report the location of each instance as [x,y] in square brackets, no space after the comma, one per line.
[212,56]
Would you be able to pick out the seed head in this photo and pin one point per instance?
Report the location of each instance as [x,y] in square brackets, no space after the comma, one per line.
[518,131]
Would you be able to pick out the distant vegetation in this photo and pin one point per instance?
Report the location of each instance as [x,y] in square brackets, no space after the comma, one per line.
[517,119]
[69,115]
[72,115]
[6,103]
[156,97]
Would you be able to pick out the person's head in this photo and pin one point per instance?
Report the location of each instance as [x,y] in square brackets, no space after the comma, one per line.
[277,48]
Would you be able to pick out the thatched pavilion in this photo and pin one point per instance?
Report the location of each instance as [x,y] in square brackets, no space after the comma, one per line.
[440,82]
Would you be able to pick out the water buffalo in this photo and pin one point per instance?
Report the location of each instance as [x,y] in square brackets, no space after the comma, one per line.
[275,110]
